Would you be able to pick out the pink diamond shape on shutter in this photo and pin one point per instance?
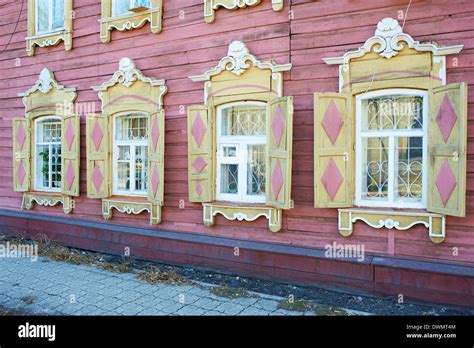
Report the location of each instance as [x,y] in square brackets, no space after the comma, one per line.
[198,129]
[69,135]
[277,179]
[446,117]
[70,175]
[20,136]
[155,133]
[155,180]
[97,178]
[332,179]
[199,189]
[278,125]
[199,164]
[97,135]
[445,181]
[21,173]
[332,122]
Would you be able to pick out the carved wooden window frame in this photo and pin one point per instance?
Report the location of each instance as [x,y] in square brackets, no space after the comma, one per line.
[48,98]
[50,38]
[238,77]
[211,6]
[129,21]
[420,66]
[129,90]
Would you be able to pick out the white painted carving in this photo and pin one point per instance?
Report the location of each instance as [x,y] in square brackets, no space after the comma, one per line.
[389,40]
[238,61]
[46,83]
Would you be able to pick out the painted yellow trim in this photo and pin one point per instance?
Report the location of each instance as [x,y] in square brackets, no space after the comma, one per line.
[400,220]
[48,200]
[130,21]
[210,6]
[242,213]
[131,207]
[49,39]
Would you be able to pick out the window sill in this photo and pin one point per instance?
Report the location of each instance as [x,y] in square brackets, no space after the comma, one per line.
[129,205]
[129,21]
[241,212]
[48,199]
[49,39]
[392,218]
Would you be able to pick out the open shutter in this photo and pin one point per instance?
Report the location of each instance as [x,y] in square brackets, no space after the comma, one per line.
[70,154]
[97,142]
[201,181]
[156,146]
[333,151]
[447,143]
[21,154]
[279,152]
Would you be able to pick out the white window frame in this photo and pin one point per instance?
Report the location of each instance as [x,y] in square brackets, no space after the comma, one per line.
[36,185]
[132,5]
[132,144]
[50,19]
[241,143]
[359,201]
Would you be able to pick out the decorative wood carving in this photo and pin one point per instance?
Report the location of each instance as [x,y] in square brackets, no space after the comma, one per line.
[402,221]
[129,21]
[131,207]
[210,6]
[48,200]
[241,213]
[52,38]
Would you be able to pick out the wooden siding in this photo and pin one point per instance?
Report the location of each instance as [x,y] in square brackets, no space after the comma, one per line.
[189,46]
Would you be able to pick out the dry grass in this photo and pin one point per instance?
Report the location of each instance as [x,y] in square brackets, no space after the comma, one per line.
[232,293]
[156,276]
[123,267]
[295,305]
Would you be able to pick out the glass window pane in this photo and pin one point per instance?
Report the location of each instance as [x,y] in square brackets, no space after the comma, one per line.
[56,166]
[123,168]
[121,6]
[410,168]
[375,168]
[229,178]
[256,170]
[132,127]
[58,14]
[42,13]
[42,166]
[230,151]
[141,160]
[393,112]
[244,120]
[144,3]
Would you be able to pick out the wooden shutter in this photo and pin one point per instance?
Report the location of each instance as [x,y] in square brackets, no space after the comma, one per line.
[70,154]
[201,182]
[156,147]
[21,154]
[333,151]
[447,144]
[97,143]
[279,152]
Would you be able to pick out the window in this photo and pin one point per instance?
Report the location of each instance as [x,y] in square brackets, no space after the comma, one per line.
[50,16]
[124,6]
[131,154]
[49,23]
[241,152]
[391,149]
[123,15]
[48,154]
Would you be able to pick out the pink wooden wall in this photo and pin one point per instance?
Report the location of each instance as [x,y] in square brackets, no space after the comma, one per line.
[188,46]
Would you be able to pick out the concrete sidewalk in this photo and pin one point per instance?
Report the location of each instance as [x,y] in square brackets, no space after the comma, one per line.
[47,287]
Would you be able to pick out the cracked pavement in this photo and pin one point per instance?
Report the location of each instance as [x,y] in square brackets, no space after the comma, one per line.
[47,287]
